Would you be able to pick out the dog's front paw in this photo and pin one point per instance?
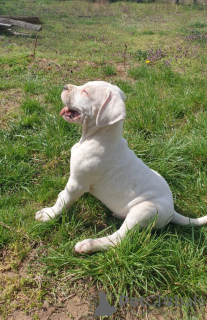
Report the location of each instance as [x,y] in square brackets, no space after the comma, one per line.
[45,214]
[85,246]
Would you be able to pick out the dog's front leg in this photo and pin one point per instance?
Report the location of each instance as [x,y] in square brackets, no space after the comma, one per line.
[66,198]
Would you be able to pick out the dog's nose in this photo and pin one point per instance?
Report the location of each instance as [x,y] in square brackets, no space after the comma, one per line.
[65,88]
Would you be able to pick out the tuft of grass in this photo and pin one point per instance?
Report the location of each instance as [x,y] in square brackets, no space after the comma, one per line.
[198,24]
[109,70]
[31,121]
[33,86]
[31,106]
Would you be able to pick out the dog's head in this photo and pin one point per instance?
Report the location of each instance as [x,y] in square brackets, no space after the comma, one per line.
[99,102]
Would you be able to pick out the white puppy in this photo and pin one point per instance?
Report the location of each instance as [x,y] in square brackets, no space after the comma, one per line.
[102,164]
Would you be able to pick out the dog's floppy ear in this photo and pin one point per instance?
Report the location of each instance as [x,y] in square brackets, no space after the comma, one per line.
[112,110]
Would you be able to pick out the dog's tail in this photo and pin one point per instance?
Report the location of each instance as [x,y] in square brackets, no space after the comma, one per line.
[185,221]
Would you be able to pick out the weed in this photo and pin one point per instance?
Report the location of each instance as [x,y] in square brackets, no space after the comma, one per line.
[141,55]
[197,36]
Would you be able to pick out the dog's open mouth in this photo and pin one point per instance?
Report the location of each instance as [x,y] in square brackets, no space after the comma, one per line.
[70,114]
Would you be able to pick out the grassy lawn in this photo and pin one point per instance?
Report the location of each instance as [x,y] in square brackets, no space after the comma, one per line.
[156,54]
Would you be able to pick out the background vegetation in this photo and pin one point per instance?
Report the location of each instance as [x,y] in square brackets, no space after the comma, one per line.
[156,54]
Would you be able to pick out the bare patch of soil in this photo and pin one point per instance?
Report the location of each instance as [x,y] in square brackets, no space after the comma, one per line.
[27,293]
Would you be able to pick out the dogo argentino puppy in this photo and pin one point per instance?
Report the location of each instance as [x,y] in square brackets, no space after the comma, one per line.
[102,164]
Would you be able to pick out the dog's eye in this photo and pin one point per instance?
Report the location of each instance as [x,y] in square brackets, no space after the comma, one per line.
[85,92]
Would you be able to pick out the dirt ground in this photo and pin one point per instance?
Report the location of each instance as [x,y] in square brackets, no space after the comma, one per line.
[27,293]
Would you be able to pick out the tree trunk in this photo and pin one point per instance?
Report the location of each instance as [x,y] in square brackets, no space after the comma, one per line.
[21,24]
[34,20]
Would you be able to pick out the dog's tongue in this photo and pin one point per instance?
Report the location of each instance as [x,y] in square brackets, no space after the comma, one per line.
[64,110]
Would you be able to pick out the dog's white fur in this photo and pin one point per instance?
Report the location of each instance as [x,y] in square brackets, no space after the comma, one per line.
[102,164]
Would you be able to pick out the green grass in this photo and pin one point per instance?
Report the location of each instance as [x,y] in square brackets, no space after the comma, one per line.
[109,70]
[165,125]
[142,255]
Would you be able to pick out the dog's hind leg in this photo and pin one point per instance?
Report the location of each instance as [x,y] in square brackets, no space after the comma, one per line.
[141,214]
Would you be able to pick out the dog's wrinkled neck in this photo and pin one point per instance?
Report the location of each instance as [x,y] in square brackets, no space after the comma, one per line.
[85,126]
[112,132]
